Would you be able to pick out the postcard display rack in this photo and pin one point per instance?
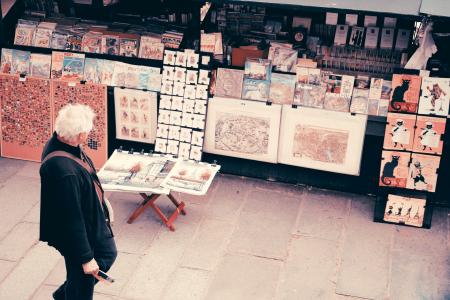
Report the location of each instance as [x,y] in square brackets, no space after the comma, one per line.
[152,175]
[412,149]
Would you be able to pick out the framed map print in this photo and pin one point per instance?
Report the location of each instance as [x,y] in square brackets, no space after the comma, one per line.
[136,115]
[243,129]
[322,140]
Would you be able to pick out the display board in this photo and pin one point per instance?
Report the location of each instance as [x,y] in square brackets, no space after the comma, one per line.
[94,95]
[25,116]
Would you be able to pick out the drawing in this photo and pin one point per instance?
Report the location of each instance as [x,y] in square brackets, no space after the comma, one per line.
[405,210]
[406,92]
[435,96]
[151,48]
[322,140]
[399,134]
[429,133]
[242,129]
[394,168]
[423,172]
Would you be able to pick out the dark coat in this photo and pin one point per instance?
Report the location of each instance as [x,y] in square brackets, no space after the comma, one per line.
[72,218]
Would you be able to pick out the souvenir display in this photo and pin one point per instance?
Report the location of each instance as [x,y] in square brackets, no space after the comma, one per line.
[26,116]
[282,87]
[40,65]
[254,89]
[429,135]
[73,66]
[229,83]
[95,96]
[435,96]
[405,210]
[322,140]
[423,172]
[394,169]
[399,134]
[243,129]
[136,118]
[405,94]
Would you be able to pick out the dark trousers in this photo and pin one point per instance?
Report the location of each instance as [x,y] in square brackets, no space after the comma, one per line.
[80,286]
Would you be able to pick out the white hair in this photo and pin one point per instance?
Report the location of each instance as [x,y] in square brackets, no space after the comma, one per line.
[74,119]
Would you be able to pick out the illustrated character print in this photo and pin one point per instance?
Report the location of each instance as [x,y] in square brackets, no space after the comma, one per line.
[388,170]
[428,136]
[436,93]
[399,133]
[398,96]
[416,174]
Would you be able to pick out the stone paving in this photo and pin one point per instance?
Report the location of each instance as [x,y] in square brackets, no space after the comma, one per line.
[247,239]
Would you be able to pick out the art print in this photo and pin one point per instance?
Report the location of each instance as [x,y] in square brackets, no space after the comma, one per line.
[169,57]
[394,169]
[92,42]
[180,74]
[198,121]
[386,90]
[282,87]
[405,94]
[201,92]
[383,107]
[162,131]
[6,61]
[285,59]
[20,62]
[336,102]
[161,145]
[188,105]
[376,88]
[322,140]
[151,48]
[405,210]
[168,73]
[167,87]
[175,118]
[178,88]
[423,172]
[197,138]
[372,108]
[229,83]
[110,44]
[435,97]
[177,103]
[181,59]
[429,134]
[128,47]
[190,91]
[399,134]
[42,37]
[309,95]
[360,101]
[200,107]
[92,70]
[174,132]
[57,64]
[164,116]
[184,150]
[242,129]
[256,89]
[106,69]
[58,41]
[192,59]
[191,76]
[40,65]
[165,101]
[196,153]
[258,69]
[203,77]
[185,135]
[24,34]
[73,66]
[172,147]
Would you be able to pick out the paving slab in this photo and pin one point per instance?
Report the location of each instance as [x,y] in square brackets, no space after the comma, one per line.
[58,275]
[5,268]
[15,202]
[309,270]
[262,232]
[35,267]
[266,185]
[364,269]
[323,214]
[33,215]
[18,241]
[9,168]
[187,284]
[30,169]
[245,277]
[208,245]
[158,264]
[45,292]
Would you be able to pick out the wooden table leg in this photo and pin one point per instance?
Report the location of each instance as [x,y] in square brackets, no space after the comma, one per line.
[148,201]
[177,204]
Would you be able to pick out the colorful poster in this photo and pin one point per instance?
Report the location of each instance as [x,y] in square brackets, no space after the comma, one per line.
[405,210]
[94,95]
[136,115]
[92,70]
[256,89]
[282,87]
[309,95]
[406,92]
[57,64]
[229,83]
[399,134]
[258,69]
[394,168]
[435,96]
[40,65]
[6,61]
[26,116]
[20,62]
[423,172]
[73,66]
[429,135]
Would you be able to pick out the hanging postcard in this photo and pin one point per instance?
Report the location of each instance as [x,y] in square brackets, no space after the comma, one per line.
[282,88]
[405,210]
[429,135]
[399,134]
[394,168]
[423,172]
[406,92]
[229,83]
[73,66]
[435,96]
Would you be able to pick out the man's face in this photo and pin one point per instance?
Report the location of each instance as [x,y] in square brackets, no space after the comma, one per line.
[82,138]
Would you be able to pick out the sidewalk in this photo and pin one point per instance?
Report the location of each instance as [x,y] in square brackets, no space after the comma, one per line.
[247,239]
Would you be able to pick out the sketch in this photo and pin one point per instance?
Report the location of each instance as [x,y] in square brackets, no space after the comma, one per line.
[405,210]
[190,177]
[394,168]
[429,133]
[399,134]
[423,172]
[242,129]
[435,96]
[322,140]
[406,92]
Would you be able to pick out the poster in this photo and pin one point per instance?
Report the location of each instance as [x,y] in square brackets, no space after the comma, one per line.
[136,115]
[25,116]
[136,172]
[360,101]
[20,62]
[229,83]
[151,48]
[73,66]
[6,61]
[405,94]
[435,96]
[394,168]
[40,65]
[282,87]
[254,89]
[405,210]
[399,134]
[423,172]
[190,177]
[429,134]
[95,96]
[243,129]
[321,140]
[309,95]
[257,68]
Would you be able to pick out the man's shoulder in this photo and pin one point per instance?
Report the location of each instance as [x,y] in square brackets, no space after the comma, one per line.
[60,166]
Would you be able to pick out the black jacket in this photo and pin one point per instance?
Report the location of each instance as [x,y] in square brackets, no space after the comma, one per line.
[72,219]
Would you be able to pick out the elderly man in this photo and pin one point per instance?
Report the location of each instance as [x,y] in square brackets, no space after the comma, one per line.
[74,215]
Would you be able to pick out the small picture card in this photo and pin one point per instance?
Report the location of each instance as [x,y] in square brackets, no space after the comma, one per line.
[184,150]
[198,122]
[387,38]
[172,147]
[178,89]
[197,138]
[200,107]
[331,18]
[167,87]
[180,74]
[192,59]
[162,131]
[191,76]
[370,21]
[168,73]
[175,118]
[181,59]
[202,92]
[165,102]
[190,91]
[428,135]
[174,132]
[203,77]
[196,153]
[169,57]
[206,60]
[164,116]
[187,119]
[161,145]
[188,105]
[185,135]
[177,103]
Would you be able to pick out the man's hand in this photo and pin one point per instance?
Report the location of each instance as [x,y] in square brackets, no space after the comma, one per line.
[91,267]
